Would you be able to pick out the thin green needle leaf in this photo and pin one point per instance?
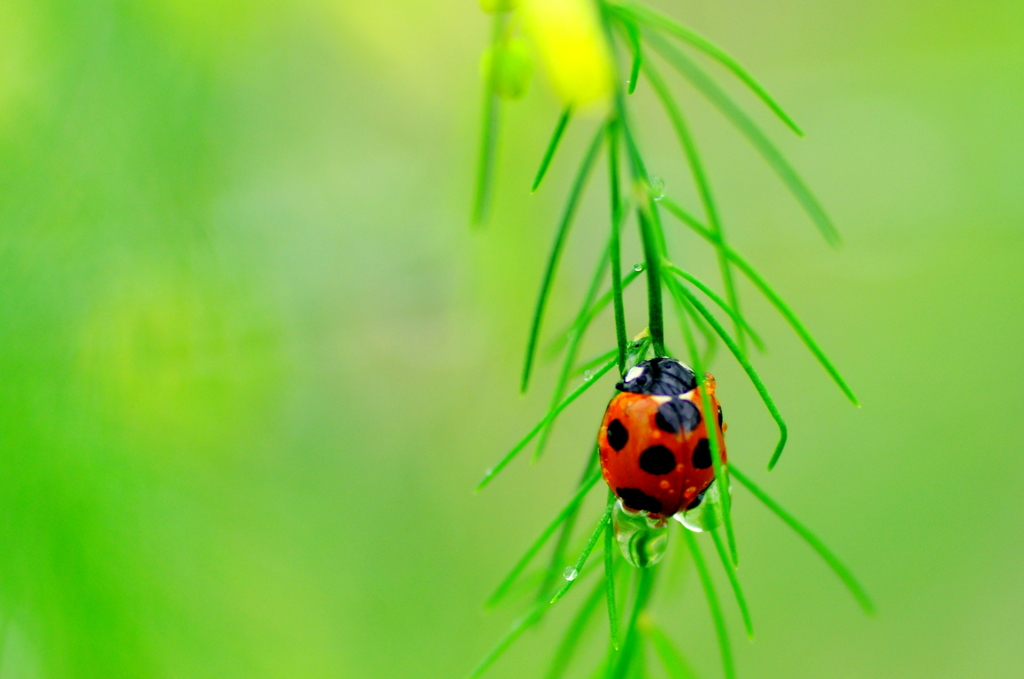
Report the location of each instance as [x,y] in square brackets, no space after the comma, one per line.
[817,545]
[606,356]
[567,647]
[535,547]
[710,338]
[552,414]
[724,503]
[556,251]
[575,337]
[651,236]
[769,293]
[659,21]
[609,580]
[489,126]
[600,305]
[520,626]
[549,153]
[676,666]
[745,364]
[714,297]
[700,178]
[645,582]
[713,605]
[582,561]
[614,249]
[655,315]
[633,33]
[703,82]
[730,571]
[555,564]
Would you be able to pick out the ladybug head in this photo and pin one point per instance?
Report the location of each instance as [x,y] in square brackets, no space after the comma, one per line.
[662,376]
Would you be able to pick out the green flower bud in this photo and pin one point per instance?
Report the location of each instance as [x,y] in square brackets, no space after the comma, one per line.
[513,68]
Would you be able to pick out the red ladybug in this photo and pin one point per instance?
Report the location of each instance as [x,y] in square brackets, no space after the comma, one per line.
[655,454]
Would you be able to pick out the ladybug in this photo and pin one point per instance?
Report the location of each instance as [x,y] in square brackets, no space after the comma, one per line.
[655,454]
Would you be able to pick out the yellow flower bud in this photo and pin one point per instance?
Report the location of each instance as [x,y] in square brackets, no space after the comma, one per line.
[515,66]
[572,45]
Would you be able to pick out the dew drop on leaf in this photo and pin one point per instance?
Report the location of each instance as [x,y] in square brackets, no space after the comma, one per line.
[705,516]
[642,540]
[657,188]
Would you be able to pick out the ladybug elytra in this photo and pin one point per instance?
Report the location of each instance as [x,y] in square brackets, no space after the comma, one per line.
[655,453]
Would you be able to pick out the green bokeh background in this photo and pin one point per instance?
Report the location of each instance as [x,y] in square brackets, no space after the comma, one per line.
[253,360]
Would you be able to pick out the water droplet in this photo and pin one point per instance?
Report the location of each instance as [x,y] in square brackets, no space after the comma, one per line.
[705,516]
[570,573]
[639,266]
[642,540]
[657,188]
[588,374]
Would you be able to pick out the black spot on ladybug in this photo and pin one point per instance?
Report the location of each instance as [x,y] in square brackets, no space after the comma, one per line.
[675,415]
[657,460]
[702,455]
[719,417]
[617,435]
[697,500]
[638,500]
[662,376]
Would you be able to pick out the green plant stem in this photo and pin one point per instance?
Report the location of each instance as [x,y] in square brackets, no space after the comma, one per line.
[817,545]
[489,128]
[556,252]
[549,153]
[700,179]
[614,249]
[651,236]
[761,284]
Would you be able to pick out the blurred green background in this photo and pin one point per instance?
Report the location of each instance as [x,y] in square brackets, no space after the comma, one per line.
[253,360]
